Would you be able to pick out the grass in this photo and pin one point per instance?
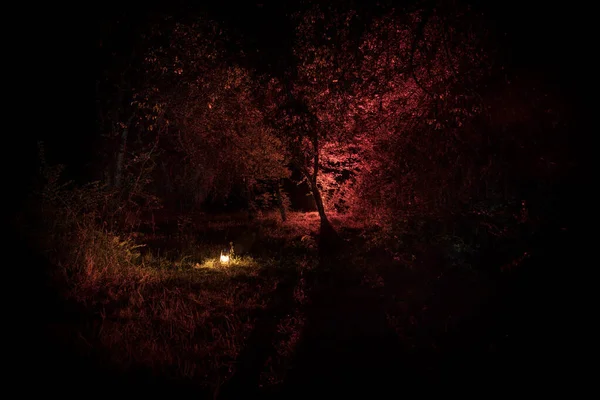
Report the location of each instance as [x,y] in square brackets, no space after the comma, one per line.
[170,308]
[189,321]
[162,305]
[184,323]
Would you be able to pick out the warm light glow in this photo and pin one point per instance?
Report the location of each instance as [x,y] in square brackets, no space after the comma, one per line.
[224,259]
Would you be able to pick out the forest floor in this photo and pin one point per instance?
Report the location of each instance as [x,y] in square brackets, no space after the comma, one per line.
[284,320]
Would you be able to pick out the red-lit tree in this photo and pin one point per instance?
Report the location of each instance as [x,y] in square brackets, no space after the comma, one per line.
[362,102]
[418,94]
[383,117]
[313,109]
[455,142]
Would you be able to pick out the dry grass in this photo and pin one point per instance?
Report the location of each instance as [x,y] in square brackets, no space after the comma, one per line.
[167,306]
[185,322]
[190,324]
[179,314]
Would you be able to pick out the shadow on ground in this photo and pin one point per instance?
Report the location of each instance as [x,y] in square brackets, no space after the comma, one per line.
[359,337]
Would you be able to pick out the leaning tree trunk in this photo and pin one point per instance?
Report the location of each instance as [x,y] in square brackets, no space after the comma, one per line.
[326,227]
[319,203]
[328,237]
[329,240]
[327,230]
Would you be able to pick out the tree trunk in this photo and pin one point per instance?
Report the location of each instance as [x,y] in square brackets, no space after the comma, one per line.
[280,202]
[121,155]
[120,158]
[327,230]
[319,202]
[251,204]
[328,237]
[326,227]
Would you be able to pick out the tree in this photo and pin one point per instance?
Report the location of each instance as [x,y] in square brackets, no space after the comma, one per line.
[127,150]
[208,105]
[454,141]
[418,92]
[311,108]
[384,114]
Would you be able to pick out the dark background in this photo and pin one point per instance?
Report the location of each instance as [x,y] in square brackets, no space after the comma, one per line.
[60,53]
[76,46]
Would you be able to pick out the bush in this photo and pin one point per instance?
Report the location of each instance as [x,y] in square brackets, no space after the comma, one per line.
[81,229]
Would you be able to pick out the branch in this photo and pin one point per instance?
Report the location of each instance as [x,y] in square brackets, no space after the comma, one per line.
[419,34]
[446,49]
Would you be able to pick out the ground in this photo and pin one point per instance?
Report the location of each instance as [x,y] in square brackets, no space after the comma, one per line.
[286,320]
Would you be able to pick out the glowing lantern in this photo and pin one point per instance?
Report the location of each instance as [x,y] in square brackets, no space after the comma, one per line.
[224,258]
[227,254]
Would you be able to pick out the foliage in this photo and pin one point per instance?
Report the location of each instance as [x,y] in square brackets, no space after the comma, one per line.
[411,116]
[417,99]
[208,107]
[86,229]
